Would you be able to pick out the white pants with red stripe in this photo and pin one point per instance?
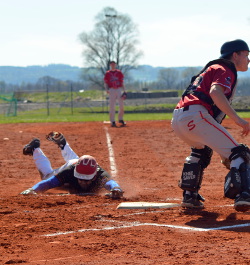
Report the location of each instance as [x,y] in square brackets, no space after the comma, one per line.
[197,128]
[44,166]
[115,94]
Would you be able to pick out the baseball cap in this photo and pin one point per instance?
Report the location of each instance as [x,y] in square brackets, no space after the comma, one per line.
[233,46]
[85,168]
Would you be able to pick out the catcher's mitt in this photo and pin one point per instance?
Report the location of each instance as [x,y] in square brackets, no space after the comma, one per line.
[29,191]
[57,138]
[124,95]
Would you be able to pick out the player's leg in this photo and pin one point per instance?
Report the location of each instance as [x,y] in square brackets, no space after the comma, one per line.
[237,181]
[121,107]
[112,102]
[198,129]
[192,175]
[59,139]
[68,154]
[41,161]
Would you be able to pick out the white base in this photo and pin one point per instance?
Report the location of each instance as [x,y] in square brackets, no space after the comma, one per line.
[145,205]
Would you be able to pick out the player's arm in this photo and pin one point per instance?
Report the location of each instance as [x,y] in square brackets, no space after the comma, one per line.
[111,185]
[43,186]
[218,97]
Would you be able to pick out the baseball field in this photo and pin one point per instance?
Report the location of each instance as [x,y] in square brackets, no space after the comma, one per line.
[146,159]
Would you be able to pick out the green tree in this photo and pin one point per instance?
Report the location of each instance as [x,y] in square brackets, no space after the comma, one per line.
[114,37]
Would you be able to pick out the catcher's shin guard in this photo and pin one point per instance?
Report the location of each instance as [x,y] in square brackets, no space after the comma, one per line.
[191,177]
[232,185]
[245,177]
[238,180]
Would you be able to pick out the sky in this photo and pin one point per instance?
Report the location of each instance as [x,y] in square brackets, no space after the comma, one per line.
[172,33]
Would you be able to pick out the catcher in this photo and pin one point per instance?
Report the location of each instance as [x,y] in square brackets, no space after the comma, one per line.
[82,175]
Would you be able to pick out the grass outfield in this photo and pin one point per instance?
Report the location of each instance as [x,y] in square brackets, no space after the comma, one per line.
[85,117]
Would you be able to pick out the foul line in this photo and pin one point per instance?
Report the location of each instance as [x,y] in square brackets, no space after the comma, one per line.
[136,224]
[111,154]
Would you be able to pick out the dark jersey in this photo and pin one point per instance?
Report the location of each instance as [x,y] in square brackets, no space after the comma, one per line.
[67,176]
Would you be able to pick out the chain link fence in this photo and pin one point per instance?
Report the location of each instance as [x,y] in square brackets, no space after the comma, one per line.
[135,102]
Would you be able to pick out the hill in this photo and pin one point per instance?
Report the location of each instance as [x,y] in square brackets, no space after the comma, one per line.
[30,74]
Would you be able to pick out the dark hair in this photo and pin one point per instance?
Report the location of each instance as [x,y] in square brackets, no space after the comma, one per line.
[229,56]
[112,62]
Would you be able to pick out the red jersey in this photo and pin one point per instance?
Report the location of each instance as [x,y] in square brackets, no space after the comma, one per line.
[114,79]
[215,74]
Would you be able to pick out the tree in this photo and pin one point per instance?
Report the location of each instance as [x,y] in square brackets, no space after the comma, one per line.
[168,77]
[114,37]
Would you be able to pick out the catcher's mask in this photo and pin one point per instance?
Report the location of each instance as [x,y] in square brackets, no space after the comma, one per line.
[85,168]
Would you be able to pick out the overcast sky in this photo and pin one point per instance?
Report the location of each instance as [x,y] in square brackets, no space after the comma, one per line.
[172,32]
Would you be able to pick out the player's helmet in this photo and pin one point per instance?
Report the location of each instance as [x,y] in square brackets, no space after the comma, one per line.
[233,46]
[85,168]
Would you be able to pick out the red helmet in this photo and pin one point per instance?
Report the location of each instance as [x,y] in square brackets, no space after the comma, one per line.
[85,168]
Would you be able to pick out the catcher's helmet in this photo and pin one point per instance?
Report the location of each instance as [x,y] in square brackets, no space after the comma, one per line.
[85,168]
[233,46]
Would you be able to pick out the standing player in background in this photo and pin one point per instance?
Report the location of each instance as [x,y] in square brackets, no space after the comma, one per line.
[114,86]
[197,121]
[82,174]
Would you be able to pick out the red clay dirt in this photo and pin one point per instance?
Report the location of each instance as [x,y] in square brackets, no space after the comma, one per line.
[58,228]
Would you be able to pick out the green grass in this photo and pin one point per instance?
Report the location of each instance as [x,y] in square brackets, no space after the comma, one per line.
[84,115]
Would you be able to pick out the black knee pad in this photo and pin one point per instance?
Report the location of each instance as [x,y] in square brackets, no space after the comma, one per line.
[204,155]
[240,151]
[191,177]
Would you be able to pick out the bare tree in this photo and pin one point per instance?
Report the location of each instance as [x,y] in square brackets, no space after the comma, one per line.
[168,77]
[114,37]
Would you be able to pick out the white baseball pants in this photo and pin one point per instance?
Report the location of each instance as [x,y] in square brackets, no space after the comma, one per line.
[197,128]
[44,166]
[115,94]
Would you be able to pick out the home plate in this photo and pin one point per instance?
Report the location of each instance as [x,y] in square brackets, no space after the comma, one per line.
[145,205]
[106,122]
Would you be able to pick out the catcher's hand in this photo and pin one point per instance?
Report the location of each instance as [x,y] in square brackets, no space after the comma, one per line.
[116,193]
[124,95]
[29,191]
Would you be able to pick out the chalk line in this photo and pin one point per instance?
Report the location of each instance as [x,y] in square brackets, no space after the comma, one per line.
[136,224]
[111,155]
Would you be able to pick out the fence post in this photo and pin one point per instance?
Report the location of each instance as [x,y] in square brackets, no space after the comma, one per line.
[71,94]
[47,86]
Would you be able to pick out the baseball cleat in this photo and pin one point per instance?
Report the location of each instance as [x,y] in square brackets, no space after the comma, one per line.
[31,146]
[58,138]
[242,202]
[192,201]
[122,122]
[113,124]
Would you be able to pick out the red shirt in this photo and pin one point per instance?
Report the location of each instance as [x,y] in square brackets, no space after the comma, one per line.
[114,79]
[214,75]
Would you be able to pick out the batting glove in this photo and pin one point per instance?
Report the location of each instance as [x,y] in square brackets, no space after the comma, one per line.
[116,193]
[29,191]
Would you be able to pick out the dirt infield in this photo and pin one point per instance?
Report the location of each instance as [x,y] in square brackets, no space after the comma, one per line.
[58,228]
